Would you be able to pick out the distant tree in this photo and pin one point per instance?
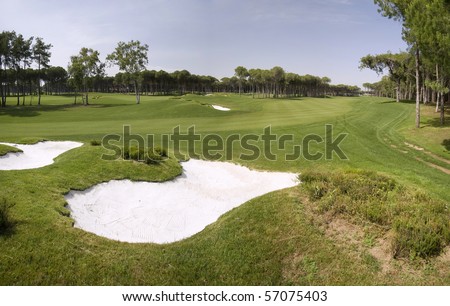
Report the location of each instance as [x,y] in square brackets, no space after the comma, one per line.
[181,78]
[83,67]
[131,58]
[400,10]
[21,59]
[278,75]
[55,78]
[41,54]
[241,73]
[394,63]
[6,39]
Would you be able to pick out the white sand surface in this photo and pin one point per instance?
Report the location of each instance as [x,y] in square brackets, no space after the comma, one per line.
[221,108]
[170,211]
[36,155]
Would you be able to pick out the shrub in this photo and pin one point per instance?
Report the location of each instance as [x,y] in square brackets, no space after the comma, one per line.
[160,151]
[5,217]
[95,142]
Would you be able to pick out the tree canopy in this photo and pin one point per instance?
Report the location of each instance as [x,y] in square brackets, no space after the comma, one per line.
[426,29]
[131,58]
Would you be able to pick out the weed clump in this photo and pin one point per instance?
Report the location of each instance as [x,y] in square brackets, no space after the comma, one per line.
[419,223]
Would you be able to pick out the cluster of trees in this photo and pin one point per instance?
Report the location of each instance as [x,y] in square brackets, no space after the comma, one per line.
[276,82]
[16,56]
[423,72]
[86,73]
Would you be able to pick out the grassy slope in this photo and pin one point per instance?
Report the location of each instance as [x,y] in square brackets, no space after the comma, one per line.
[270,240]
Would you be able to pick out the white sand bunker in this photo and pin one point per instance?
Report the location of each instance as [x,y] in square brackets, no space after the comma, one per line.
[221,108]
[36,155]
[170,211]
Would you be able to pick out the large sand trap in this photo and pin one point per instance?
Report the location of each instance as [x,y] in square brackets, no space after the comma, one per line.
[221,108]
[36,155]
[170,211]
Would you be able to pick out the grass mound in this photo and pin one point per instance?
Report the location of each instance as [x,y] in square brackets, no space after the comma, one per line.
[419,223]
[4,149]
[31,140]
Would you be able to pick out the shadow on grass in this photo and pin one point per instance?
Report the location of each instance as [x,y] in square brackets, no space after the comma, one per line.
[34,110]
[436,122]
[8,231]
[401,101]
[7,224]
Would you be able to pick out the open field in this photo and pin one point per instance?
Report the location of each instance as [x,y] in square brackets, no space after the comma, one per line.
[279,238]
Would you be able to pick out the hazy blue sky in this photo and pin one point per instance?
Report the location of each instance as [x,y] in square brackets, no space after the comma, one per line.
[212,37]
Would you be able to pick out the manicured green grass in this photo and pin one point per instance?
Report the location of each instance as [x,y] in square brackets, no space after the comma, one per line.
[274,239]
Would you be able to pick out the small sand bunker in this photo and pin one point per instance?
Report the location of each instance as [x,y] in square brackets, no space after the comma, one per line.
[36,155]
[170,211]
[221,108]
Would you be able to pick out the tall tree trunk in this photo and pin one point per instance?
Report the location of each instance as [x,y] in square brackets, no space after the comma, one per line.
[39,81]
[397,92]
[136,91]
[18,91]
[442,119]
[23,94]
[438,94]
[417,55]
[86,95]
[1,85]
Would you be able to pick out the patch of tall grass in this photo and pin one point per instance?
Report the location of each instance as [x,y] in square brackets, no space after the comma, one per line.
[419,222]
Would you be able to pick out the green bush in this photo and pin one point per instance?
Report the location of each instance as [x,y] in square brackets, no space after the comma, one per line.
[418,237]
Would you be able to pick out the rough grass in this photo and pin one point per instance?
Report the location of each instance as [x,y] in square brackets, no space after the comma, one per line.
[420,223]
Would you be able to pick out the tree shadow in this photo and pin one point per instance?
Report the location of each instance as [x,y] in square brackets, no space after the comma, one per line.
[446,144]
[436,122]
[409,102]
[35,110]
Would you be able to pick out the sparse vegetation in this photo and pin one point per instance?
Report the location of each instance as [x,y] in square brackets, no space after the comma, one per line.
[420,224]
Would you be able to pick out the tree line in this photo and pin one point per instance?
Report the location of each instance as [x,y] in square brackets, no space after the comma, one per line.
[86,73]
[423,72]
